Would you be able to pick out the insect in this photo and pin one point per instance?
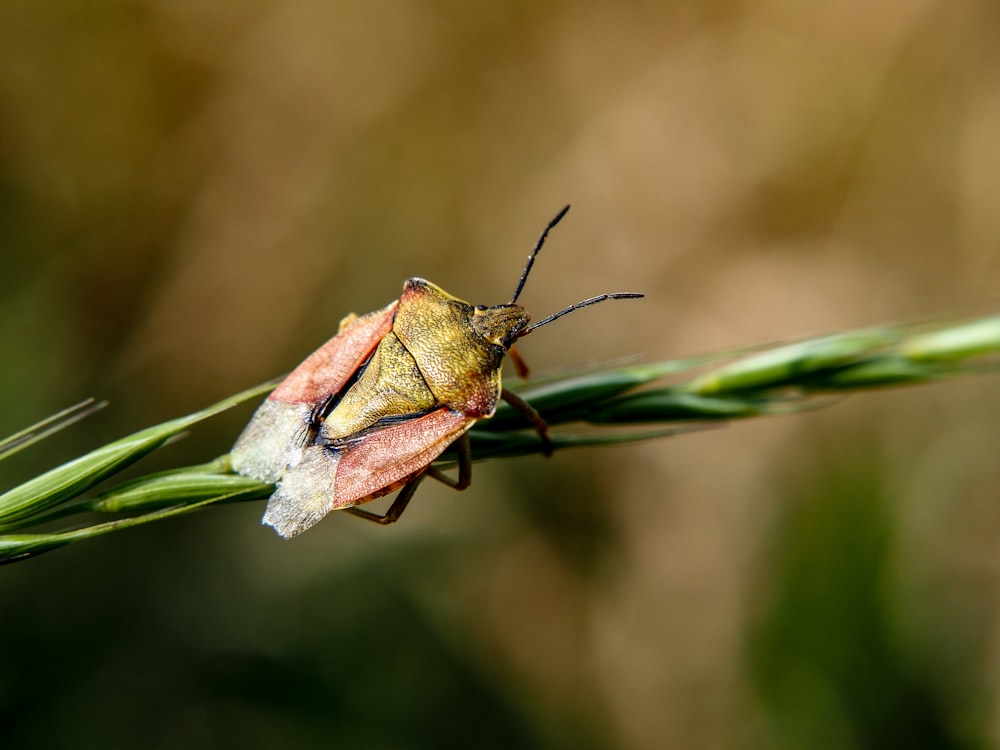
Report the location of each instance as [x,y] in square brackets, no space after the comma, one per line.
[367,412]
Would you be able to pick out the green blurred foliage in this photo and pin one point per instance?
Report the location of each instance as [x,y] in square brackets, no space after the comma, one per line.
[193,194]
[829,663]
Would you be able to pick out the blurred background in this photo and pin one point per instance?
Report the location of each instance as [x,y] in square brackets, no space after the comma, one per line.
[193,194]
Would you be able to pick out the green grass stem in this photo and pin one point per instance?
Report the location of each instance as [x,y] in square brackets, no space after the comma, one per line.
[604,406]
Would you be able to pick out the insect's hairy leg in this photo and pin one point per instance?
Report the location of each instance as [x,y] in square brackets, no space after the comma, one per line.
[528,412]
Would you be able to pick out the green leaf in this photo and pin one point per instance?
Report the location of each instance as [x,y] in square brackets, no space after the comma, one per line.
[786,364]
[78,476]
[48,426]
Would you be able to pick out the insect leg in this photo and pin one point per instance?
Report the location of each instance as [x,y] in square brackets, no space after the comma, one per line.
[395,510]
[528,412]
[403,498]
[464,467]
[520,366]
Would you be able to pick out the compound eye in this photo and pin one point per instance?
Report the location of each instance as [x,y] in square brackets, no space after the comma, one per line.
[480,307]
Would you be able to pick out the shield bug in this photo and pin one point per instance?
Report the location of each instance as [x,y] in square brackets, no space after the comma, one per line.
[368,411]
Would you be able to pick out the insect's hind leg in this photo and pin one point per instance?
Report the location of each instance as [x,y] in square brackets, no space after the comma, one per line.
[395,510]
[406,494]
[464,467]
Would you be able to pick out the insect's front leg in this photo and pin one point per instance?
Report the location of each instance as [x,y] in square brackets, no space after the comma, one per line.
[528,412]
[520,366]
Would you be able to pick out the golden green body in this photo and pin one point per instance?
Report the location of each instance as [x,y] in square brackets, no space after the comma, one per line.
[441,351]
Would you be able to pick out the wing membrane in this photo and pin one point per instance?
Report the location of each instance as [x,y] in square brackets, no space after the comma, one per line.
[277,433]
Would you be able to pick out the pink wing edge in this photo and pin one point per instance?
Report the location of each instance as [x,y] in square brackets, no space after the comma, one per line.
[270,442]
[326,370]
[387,459]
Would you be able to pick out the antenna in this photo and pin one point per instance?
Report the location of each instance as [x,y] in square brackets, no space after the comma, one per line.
[578,306]
[534,252]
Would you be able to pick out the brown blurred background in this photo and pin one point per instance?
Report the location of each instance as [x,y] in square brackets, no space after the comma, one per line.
[193,194]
